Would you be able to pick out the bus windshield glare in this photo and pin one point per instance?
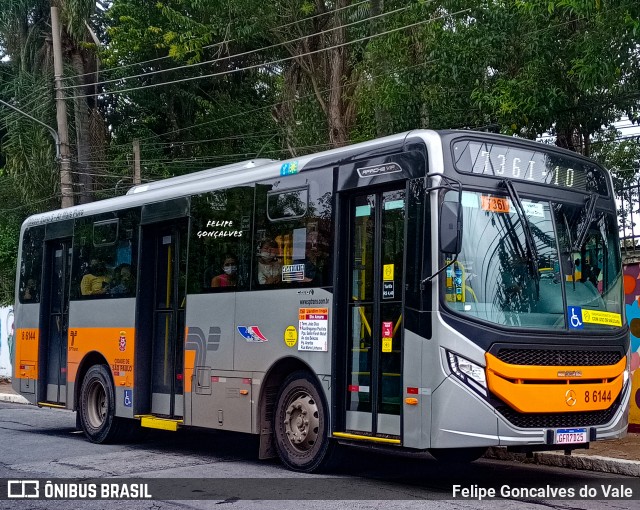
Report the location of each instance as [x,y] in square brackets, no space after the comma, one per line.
[574,283]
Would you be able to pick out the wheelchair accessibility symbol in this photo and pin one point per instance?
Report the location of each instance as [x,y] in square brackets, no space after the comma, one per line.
[128,398]
[574,314]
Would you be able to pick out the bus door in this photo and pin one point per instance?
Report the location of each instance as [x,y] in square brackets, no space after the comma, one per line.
[168,260]
[56,317]
[374,307]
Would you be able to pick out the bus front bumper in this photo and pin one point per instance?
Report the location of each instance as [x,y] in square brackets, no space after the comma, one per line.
[463,419]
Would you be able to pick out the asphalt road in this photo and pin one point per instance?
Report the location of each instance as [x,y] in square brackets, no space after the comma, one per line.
[43,444]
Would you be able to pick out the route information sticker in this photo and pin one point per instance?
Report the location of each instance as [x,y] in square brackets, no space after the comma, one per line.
[313,329]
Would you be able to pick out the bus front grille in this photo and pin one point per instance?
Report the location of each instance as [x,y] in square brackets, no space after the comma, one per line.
[559,420]
[551,357]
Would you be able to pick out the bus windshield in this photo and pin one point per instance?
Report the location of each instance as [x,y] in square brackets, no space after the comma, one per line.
[544,265]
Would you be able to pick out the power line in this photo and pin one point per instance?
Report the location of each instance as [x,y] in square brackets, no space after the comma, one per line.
[277,61]
[237,55]
[334,11]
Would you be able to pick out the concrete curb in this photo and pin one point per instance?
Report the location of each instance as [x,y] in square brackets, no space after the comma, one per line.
[16,399]
[574,461]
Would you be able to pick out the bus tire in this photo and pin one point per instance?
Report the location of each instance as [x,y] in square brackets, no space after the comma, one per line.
[301,426]
[457,455]
[97,407]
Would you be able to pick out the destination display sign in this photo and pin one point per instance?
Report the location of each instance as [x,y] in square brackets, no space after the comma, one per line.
[524,164]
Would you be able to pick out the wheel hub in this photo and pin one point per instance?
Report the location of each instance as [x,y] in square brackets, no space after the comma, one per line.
[301,421]
[97,405]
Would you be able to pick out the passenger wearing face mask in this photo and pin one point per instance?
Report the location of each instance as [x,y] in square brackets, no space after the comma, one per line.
[269,267]
[229,277]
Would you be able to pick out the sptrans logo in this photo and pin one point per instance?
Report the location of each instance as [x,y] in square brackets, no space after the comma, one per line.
[252,334]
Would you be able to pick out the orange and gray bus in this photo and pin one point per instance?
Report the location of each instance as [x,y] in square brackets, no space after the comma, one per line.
[432,291]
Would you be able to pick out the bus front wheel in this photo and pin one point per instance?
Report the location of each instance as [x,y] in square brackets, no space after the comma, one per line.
[97,406]
[300,425]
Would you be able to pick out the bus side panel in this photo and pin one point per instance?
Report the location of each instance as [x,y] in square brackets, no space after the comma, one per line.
[416,418]
[27,342]
[106,326]
[211,398]
[271,313]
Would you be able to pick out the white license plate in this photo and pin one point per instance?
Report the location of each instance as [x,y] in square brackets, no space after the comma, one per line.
[571,436]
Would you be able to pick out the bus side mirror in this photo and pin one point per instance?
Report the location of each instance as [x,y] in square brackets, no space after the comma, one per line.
[451,227]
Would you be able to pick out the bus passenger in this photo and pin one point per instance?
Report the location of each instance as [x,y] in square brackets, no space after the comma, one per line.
[30,293]
[229,276]
[122,283]
[96,281]
[269,267]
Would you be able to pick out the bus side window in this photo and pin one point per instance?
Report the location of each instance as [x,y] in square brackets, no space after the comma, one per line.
[292,232]
[31,265]
[220,245]
[105,253]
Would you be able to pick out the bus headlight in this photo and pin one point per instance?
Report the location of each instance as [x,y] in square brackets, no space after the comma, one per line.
[468,372]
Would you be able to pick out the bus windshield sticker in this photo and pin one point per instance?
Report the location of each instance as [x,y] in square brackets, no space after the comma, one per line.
[533,209]
[373,171]
[252,334]
[290,168]
[313,325]
[599,317]
[495,204]
[388,273]
[293,273]
[574,314]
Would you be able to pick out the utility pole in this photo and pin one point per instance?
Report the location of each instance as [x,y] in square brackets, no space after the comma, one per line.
[66,183]
[137,179]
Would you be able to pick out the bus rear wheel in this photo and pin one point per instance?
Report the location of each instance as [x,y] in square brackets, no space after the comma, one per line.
[300,425]
[97,407]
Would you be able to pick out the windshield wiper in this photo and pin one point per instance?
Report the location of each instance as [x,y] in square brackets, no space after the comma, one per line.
[526,228]
[584,228]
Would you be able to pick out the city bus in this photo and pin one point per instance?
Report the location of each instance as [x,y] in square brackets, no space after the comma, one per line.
[431,291]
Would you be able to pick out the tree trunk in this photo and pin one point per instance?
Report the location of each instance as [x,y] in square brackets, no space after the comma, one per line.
[339,74]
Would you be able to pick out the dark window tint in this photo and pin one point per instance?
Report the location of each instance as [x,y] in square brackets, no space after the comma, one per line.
[417,224]
[105,255]
[289,204]
[220,245]
[105,233]
[293,231]
[31,265]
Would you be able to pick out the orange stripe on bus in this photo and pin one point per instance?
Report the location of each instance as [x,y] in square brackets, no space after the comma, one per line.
[189,364]
[115,344]
[553,389]
[26,355]
[555,398]
[535,372]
